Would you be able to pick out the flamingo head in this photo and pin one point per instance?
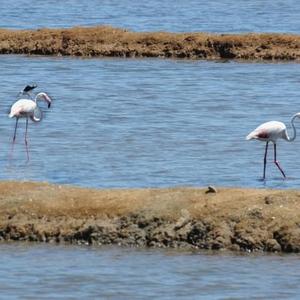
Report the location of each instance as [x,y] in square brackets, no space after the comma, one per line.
[297,115]
[45,97]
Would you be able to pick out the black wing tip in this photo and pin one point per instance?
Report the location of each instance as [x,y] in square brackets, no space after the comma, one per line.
[28,87]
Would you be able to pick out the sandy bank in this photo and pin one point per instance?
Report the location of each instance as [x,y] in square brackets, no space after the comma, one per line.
[112,42]
[235,219]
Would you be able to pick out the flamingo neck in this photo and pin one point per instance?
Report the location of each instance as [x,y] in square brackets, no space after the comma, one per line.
[38,97]
[291,139]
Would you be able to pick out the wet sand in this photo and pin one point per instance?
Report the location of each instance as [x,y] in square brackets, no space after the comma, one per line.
[188,218]
[106,41]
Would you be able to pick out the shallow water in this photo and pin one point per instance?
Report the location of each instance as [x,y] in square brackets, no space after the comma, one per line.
[150,123]
[70,272]
[156,15]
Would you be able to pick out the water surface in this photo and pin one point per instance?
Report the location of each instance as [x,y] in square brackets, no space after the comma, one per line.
[150,123]
[70,272]
[156,15]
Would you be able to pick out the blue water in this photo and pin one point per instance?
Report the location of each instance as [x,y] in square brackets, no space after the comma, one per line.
[60,272]
[156,15]
[150,123]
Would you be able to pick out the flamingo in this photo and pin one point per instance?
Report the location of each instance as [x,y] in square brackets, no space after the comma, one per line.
[271,132]
[28,108]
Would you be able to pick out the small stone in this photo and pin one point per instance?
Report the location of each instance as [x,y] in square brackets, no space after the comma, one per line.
[268,200]
[211,189]
[234,247]
[255,213]
[273,246]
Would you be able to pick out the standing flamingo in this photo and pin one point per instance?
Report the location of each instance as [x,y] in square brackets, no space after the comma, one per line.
[270,132]
[27,108]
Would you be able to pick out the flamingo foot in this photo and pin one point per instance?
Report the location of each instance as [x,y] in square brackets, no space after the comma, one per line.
[280,169]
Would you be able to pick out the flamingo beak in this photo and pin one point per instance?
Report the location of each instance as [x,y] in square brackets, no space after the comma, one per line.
[48,100]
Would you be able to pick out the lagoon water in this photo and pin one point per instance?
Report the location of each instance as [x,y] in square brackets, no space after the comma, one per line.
[156,15]
[129,123]
[119,123]
[70,272]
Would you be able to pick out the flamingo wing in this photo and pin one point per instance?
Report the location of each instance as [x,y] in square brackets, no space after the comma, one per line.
[269,131]
[22,106]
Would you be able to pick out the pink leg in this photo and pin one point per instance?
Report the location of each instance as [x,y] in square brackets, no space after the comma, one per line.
[265,160]
[14,139]
[26,143]
[277,163]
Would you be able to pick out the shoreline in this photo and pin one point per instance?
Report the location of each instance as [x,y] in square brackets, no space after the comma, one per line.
[248,220]
[105,41]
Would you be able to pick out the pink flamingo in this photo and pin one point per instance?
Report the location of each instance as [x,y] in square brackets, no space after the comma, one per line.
[27,108]
[270,132]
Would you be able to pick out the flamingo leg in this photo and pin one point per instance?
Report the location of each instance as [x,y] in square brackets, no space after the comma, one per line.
[26,143]
[15,133]
[14,139]
[277,163]
[265,159]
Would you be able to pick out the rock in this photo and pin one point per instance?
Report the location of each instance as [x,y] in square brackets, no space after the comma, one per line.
[255,213]
[183,221]
[211,189]
[198,235]
[273,246]
[268,200]
[288,238]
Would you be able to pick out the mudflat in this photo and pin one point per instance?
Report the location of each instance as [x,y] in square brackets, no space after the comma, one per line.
[104,41]
[189,218]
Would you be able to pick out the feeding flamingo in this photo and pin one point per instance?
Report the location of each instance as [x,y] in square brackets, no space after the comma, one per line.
[27,108]
[271,132]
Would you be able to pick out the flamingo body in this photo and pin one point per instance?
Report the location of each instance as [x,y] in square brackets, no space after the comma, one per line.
[22,108]
[269,132]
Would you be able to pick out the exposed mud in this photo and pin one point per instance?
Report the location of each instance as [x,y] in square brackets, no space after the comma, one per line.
[112,42]
[232,219]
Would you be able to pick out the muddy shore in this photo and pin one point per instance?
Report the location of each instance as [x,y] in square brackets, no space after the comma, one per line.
[106,41]
[189,218]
